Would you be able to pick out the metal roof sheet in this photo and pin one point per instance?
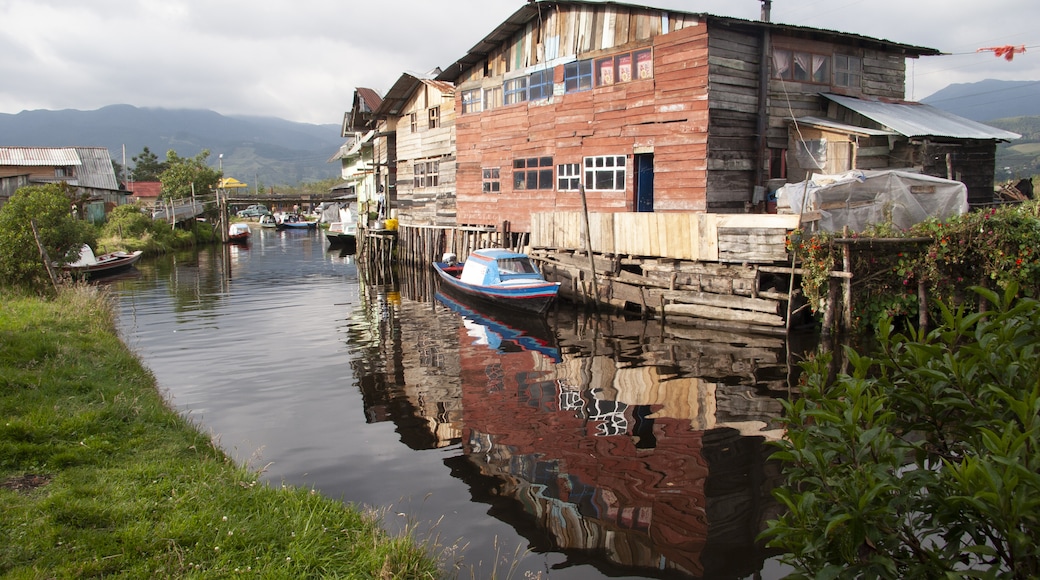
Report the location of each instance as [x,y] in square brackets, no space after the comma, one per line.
[39,156]
[843,127]
[920,120]
[96,170]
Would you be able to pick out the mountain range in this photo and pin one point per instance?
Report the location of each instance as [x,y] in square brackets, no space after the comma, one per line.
[268,151]
[988,100]
[256,150]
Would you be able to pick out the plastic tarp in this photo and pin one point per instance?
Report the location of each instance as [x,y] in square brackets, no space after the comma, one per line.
[860,198]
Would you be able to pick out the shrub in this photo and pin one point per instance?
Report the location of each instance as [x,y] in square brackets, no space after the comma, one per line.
[925,461]
[61,234]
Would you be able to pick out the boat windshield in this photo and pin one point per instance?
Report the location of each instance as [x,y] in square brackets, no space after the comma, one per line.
[516,266]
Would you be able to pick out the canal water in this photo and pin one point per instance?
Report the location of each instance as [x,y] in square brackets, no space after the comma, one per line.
[576,447]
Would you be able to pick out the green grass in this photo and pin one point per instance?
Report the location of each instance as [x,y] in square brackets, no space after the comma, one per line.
[100,478]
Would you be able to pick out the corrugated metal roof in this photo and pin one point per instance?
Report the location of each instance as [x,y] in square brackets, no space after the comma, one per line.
[369,99]
[399,94]
[39,156]
[920,120]
[843,127]
[96,170]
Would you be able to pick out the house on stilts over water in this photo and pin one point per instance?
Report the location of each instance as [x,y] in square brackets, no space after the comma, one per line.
[636,151]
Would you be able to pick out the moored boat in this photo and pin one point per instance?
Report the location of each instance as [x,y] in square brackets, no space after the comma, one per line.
[239,233]
[91,266]
[342,234]
[501,278]
[294,221]
[267,221]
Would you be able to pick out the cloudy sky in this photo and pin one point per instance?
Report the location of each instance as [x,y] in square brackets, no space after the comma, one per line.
[302,59]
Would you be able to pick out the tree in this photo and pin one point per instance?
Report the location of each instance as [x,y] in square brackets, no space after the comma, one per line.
[925,462]
[147,166]
[185,176]
[62,235]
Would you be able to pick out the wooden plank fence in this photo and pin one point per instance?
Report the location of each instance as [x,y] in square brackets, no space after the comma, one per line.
[758,238]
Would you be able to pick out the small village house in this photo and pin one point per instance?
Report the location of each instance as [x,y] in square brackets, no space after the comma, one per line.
[422,111]
[146,193]
[364,159]
[655,110]
[88,169]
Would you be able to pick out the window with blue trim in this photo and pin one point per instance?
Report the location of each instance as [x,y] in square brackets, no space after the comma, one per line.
[577,76]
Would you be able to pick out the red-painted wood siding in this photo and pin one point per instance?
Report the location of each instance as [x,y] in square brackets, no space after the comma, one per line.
[667,115]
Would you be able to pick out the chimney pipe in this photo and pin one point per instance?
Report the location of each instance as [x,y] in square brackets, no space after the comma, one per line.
[766,5]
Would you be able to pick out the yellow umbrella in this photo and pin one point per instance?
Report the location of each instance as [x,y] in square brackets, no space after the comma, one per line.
[230,183]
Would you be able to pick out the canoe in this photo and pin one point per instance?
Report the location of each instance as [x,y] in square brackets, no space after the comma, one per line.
[500,278]
[90,266]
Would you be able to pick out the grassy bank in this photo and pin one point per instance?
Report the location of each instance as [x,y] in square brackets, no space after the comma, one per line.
[98,477]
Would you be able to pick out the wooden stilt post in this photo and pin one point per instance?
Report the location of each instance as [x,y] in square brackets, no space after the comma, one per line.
[588,246]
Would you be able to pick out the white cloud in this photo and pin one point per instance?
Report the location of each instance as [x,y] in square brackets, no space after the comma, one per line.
[302,60]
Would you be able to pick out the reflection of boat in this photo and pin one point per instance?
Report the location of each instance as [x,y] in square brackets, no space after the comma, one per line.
[267,221]
[94,266]
[238,233]
[502,278]
[294,222]
[495,327]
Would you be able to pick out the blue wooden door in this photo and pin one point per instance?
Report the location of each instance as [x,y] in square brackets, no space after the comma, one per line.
[644,163]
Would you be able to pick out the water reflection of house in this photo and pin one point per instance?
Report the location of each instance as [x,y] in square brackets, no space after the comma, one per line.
[617,451]
[620,458]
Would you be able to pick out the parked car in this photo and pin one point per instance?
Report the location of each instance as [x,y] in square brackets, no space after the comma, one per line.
[253,211]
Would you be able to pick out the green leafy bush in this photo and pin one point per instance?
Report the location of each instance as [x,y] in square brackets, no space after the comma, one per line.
[925,461]
[128,228]
[62,235]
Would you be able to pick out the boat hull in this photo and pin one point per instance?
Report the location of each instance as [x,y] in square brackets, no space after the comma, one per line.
[297,226]
[106,265]
[342,241]
[534,297]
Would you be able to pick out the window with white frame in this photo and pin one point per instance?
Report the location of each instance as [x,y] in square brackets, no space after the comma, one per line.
[413,121]
[434,114]
[605,173]
[490,182]
[533,173]
[425,174]
[515,90]
[577,76]
[848,71]
[471,101]
[568,177]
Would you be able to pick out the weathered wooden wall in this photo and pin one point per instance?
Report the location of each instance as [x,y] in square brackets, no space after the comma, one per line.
[757,238]
[733,101]
[433,205]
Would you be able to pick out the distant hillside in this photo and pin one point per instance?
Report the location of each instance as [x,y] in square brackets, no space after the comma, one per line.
[989,99]
[273,151]
[1010,105]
